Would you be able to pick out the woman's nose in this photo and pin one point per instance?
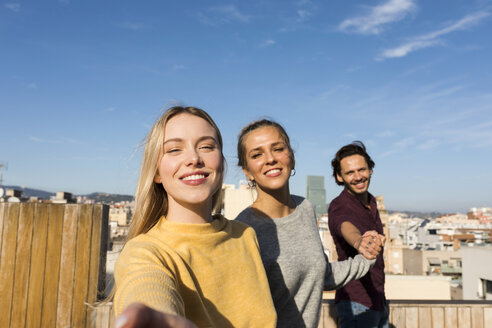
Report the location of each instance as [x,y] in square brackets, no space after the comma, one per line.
[193,157]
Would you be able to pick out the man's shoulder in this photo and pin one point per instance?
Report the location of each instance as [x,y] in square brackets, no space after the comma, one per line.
[337,202]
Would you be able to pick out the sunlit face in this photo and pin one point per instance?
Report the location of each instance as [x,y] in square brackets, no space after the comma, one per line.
[191,168]
[355,174]
[268,159]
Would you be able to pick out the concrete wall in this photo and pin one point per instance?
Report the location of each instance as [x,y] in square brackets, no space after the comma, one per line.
[477,266]
[417,287]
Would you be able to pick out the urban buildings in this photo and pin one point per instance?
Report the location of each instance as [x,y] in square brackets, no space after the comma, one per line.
[316,194]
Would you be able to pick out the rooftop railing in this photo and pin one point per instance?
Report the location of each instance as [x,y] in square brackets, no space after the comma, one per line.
[52,266]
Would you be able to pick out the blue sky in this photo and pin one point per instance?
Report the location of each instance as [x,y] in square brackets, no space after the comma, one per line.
[82,81]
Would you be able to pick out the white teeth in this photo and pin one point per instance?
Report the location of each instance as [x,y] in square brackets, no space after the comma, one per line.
[194,177]
[274,171]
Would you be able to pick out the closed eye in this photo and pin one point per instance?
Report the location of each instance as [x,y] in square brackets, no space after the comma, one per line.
[208,147]
[254,156]
[172,150]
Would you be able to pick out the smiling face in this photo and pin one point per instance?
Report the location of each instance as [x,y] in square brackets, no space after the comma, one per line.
[355,174]
[268,159]
[191,168]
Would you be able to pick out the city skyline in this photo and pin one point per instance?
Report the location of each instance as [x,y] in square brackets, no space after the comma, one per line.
[83,82]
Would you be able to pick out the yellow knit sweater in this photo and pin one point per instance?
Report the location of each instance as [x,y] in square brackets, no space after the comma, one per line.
[209,273]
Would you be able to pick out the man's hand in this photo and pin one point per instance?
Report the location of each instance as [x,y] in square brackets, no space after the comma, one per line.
[138,315]
[370,244]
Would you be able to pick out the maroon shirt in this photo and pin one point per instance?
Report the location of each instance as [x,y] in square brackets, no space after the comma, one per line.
[368,290]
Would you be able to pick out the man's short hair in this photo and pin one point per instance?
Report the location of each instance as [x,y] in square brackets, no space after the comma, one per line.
[355,148]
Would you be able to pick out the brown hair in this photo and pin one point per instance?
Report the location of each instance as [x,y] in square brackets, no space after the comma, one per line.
[241,151]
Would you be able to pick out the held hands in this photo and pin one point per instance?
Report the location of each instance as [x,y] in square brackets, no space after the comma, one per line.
[370,244]
[138,315]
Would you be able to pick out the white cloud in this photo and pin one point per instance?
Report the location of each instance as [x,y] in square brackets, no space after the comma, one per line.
[372,23]
[429,144]
[405,49]
[303,14]
[110,109]
[384,134]
[432,38]
[409,141]
[13,6]
[223,14]
[40,140]
[32,86]
[267,43]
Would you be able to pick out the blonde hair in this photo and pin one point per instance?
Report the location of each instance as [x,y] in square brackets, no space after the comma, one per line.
[151,197]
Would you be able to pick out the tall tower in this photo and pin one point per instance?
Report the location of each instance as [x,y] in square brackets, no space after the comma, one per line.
[316,193]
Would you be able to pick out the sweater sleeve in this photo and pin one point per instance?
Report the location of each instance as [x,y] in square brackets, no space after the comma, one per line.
[338,274]
[142,274]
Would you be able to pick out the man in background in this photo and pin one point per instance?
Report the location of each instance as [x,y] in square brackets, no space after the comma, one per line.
[360,303]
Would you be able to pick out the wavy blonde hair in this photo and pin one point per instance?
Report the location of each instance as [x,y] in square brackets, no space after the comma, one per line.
[151,197]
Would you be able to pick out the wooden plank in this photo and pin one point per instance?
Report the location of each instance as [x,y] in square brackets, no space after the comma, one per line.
[52,273]
[450,317]
[464,316]
[7,262]
[425,317]
[95,258]
[82,261]
[437,317]
[104,316]
[487,316]
[38,259]
[22,265]
[477,317]
[3,213]
[412,317]
[67,266]
[397,316]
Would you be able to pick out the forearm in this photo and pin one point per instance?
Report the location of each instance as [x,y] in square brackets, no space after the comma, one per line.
[351,234]
[338,274]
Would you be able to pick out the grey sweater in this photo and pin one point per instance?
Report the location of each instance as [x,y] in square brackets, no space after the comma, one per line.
[296,265]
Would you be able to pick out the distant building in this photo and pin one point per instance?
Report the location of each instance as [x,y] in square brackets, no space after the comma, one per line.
[12,196]
[120,214]
[234,201]
[477,273]
[316,193]
[418,287]
[62,197]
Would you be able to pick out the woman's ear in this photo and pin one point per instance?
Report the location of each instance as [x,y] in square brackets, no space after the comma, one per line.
[157,178]
[248,175]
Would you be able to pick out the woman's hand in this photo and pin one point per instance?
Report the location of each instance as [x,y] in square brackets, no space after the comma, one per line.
[370,244]
[138,315]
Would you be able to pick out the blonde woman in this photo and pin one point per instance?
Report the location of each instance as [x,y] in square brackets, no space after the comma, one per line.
[287,232]
[181,261]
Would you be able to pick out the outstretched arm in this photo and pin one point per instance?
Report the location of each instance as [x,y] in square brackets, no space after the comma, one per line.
[338,274]
[138,315]
[369,244]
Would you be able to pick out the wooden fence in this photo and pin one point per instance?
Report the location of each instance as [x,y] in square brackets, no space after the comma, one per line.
[426,314]
[52,263]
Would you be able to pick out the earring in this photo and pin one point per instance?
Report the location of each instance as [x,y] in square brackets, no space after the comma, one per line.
[294,172]
[252,183]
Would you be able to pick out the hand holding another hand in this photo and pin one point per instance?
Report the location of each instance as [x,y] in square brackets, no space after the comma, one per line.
[370,244]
